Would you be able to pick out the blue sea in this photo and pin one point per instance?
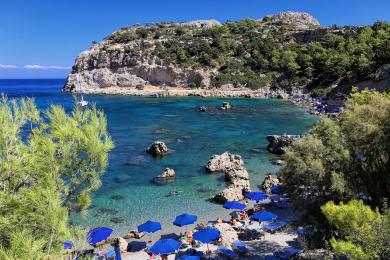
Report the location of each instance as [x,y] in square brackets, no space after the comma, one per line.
[128,197]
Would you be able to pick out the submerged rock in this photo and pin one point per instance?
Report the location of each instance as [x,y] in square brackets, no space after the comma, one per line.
[106,211]
[158,148]
[122,179]
[204,190]
[277,162]
[117,220]
[117,197]
[137,160]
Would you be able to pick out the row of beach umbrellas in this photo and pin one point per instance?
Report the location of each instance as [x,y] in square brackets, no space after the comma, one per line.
[169,245]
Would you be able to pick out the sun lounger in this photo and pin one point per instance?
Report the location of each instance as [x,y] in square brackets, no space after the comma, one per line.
[288,253]
[240,247]
[274,226]
[227,252]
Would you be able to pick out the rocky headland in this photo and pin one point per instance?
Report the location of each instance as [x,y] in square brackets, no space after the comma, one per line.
[208,59]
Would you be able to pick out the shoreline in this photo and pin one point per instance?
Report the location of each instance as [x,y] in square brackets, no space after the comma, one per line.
[297,96]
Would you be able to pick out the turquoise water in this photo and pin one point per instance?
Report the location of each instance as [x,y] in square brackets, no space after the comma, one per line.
[128,196]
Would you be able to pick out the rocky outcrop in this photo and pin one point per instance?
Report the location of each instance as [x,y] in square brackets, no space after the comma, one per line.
[158,148]
[228,234]
[320,254]
[167,174]
[224,162]
[236,176]
[268,182]
[278,144]
[226,106]
[127,58]
[207,24]
[300,21]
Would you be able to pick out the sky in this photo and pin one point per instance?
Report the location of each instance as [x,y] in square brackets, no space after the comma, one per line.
[42,38]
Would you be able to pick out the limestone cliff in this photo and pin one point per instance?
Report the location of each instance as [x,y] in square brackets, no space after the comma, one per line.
[272,52]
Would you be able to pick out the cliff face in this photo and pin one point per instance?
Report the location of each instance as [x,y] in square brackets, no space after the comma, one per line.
[133,62]
[205,54]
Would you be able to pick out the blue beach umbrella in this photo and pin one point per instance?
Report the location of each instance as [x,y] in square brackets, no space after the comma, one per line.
[98,234]
[189,257]
[207,235]
[234,205]
[118,253]
[263,216]
[257,195]
[149,226]
[68,245]
[165,246]
[184,220]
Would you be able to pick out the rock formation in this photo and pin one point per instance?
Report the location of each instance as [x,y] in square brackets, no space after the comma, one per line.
[127,57]
[167,174]
[158,148]
[236,176]
[268,182]
[279,143]
[226,106]
[228,234]
[224,162]
[300,21]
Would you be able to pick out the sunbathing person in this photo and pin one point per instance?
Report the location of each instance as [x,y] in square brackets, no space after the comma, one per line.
[201,225]
[235,224]
[219,221]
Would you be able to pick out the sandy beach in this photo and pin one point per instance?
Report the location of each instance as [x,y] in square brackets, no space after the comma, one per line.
[159,91]
[257,249]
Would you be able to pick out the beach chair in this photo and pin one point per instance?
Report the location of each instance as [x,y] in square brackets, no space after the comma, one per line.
[287,253]
[274,226]
[223,250]
[240,246]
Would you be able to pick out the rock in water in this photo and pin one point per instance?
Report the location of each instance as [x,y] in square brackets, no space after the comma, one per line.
[268,183]
[158,148]
[279,143]
[226,106]
[167,174]
[202,109]
[236,176]
[224,162]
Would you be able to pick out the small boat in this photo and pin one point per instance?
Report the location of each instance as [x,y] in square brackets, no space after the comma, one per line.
[82,101]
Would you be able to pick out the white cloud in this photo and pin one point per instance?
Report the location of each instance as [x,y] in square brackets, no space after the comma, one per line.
[44,67]
[6,66]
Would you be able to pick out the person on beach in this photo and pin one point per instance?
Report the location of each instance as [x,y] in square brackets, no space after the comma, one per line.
[219,220]
[202,225]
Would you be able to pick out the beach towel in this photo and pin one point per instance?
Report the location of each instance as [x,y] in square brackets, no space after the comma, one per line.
[287,253]
[227,252]
[240,246]
[274,226]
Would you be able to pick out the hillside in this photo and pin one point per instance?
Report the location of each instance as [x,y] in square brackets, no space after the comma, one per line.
[284,51]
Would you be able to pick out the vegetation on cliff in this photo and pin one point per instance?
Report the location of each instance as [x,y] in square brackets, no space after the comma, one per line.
[343,160]
[49,164]
[255,53]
